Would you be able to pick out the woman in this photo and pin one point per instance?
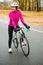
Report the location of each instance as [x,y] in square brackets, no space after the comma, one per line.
[14,17]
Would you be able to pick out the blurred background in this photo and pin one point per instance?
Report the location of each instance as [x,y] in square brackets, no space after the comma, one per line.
[32,11]
[28,5]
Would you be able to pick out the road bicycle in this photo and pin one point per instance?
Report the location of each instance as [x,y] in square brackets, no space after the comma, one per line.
[20,37]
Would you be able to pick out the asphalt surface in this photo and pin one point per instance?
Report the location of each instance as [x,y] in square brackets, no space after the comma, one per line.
[35,38]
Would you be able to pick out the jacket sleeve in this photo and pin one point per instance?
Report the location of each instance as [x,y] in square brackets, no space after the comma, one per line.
[22,19]
[11,19]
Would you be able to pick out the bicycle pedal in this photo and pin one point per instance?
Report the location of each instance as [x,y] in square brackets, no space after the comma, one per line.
[23,45]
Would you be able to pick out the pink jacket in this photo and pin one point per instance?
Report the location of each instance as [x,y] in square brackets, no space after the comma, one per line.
[14,18]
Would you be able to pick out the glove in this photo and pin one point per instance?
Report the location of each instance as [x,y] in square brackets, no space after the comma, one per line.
[15,29]
[27,26]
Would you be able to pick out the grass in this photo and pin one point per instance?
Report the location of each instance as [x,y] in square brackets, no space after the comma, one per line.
[27,14]
[37,23]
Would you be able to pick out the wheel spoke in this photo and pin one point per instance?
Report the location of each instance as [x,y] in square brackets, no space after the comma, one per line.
[25,46]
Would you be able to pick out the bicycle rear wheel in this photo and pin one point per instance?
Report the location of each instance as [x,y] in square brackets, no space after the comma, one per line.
[25,48]
[15,42]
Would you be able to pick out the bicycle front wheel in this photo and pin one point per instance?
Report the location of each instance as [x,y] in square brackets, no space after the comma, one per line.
[25,48]
[15,42]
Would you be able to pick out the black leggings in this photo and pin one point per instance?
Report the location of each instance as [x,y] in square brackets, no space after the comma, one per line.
[10,33]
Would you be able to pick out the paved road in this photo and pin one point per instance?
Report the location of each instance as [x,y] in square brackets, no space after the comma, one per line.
[35,38]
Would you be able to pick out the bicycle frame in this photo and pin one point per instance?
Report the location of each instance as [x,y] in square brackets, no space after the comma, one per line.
[18,38]
[17,35]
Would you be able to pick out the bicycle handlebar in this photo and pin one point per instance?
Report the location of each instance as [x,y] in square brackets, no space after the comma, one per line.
[18,29]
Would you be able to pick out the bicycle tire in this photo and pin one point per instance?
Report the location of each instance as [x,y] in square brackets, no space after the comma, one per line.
[26,54]
[15,42]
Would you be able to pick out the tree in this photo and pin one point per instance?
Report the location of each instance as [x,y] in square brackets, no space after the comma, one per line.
[38,5]
[29,5]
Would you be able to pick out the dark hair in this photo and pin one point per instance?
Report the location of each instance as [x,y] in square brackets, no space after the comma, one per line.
[16,7]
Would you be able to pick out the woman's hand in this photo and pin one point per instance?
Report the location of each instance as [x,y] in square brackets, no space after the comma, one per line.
[28,27]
